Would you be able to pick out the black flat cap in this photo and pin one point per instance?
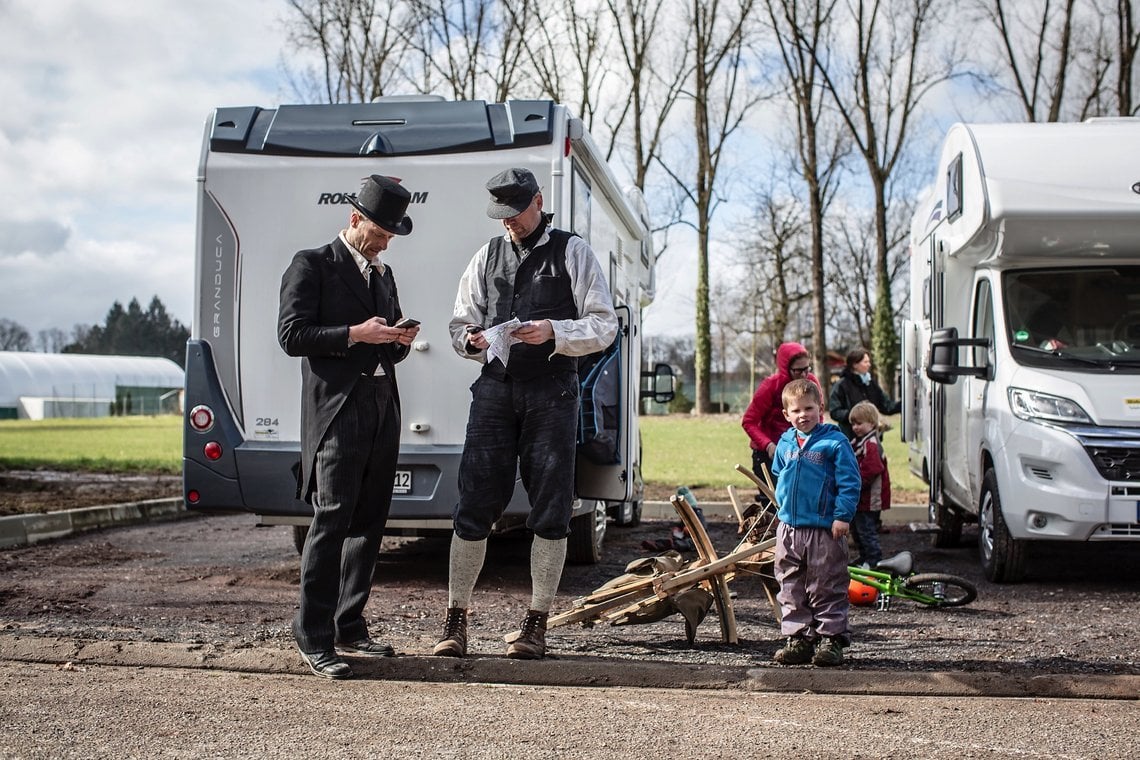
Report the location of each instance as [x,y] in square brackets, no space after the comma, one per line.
[511,192]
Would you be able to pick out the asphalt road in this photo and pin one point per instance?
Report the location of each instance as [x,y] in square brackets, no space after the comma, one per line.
[156,711]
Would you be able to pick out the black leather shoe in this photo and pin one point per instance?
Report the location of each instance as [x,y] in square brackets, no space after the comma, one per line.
[327,665]
[367,647]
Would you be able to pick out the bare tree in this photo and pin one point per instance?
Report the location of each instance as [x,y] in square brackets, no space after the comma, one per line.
[471,47]
[851,264]
[893,67]
[14,336]
[1051,60]
[51,340]
[358,44]
[655,65]
[852,281]
[776,252]
[724,319]
[718,90]
[803,32]
[1127,46]
[568,53]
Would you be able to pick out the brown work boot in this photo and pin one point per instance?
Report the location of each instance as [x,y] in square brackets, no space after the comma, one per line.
[454,641]
[531,643]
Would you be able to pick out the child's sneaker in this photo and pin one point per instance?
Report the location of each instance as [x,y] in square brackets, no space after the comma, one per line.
[829,652]
[796,652]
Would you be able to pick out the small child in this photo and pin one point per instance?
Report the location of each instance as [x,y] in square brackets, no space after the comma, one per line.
[817,490]
[876,493]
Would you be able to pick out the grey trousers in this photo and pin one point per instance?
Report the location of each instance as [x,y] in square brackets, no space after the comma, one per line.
[811,567]
[355,466]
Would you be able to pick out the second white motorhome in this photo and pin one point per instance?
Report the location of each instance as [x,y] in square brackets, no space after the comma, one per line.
[1021,357]
[273,181]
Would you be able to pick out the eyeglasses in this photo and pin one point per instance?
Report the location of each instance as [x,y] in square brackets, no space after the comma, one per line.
[800,370]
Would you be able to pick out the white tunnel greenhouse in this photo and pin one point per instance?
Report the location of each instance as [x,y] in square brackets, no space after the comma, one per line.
[36,386]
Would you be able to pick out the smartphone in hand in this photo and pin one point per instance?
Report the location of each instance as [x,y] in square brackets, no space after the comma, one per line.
[406,322]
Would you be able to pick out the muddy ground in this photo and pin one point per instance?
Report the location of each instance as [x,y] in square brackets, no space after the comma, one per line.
[30,491]
[222,584]
[34,491]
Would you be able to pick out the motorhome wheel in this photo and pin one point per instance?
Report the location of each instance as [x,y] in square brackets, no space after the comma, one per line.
[1003,557]
[587,531]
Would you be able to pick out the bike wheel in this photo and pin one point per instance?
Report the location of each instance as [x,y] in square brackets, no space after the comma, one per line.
[940,590]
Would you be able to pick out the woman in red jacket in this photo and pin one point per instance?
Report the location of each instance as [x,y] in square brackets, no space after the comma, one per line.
[764,419]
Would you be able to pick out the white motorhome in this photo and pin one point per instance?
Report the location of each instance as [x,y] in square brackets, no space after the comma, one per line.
[273,181]
[1021,357]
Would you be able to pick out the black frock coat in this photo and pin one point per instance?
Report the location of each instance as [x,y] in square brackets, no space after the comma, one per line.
[322,293]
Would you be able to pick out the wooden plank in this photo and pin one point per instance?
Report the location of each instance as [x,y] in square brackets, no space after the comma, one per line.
[708,553]
[735,500]
[594,611]
[722,566]
[765,488]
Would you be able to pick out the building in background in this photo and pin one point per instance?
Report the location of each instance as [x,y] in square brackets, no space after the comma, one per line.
[37,386]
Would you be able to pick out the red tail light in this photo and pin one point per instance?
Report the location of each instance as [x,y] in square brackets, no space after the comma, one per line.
[201,418]
[212,450]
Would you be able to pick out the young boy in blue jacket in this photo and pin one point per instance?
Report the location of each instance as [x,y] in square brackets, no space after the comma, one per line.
[817,488]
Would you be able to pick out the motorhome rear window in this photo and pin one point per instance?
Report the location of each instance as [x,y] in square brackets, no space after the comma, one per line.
[386,128]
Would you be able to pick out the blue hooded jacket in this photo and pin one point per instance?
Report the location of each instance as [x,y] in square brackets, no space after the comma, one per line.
[819,483]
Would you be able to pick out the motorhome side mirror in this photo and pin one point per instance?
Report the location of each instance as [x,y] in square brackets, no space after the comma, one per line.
[662,384]
[942,361]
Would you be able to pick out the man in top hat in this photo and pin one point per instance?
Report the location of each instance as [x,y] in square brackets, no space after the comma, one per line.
[524,412]
[339,310]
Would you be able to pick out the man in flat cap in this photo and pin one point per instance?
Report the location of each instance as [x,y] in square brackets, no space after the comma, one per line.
[339,310]
[524,410]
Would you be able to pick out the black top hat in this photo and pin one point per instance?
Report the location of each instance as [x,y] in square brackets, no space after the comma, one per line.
[384,201]
[511,193]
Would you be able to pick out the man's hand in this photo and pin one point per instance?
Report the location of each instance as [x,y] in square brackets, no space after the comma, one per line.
[535,333]
[476,339]
[406,335]
[839,529]
[376,330]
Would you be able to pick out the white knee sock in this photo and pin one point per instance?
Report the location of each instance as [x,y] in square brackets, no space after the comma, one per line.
[546,560]
[464,565]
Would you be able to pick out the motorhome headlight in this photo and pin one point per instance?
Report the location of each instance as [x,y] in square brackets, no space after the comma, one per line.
[1041,407]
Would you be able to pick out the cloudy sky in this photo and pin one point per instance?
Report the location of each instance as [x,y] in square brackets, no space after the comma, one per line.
[104,105]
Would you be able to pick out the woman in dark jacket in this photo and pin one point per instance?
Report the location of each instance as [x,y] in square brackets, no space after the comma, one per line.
[855,385]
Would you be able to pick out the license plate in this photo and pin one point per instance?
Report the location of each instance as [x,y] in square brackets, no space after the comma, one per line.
[403,482]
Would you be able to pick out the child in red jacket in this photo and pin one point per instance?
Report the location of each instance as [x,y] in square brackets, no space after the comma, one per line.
[876,493]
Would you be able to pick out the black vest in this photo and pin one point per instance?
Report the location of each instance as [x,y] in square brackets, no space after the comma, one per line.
[540,289]
[383,290]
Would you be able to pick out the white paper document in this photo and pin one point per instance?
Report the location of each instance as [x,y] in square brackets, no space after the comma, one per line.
[500,340]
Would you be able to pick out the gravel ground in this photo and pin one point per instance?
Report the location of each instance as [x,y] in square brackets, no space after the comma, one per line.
[222,584]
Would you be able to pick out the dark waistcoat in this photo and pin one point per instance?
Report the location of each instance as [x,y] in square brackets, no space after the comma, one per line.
[541,289]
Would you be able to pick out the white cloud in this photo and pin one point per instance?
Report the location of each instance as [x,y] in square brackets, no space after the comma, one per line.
[100,135]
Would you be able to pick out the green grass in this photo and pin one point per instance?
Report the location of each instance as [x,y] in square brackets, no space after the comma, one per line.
[102,444]
[678,449]
[703,451]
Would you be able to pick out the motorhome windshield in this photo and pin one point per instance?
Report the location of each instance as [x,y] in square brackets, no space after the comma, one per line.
[1087,317]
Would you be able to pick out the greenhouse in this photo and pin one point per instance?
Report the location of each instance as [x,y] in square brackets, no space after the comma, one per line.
[37,386]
